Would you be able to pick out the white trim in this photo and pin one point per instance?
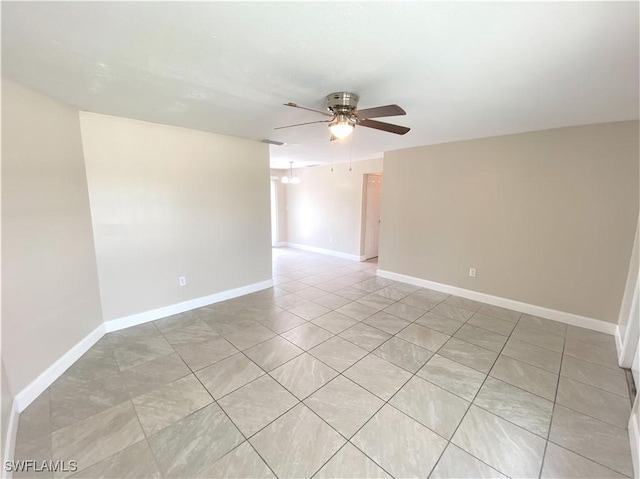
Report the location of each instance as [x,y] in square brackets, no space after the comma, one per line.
[634,440]
[619,344]
[330,252]
[628,345]
[561,316]
[10,441]
[152,315]
[273,210]
[53,372]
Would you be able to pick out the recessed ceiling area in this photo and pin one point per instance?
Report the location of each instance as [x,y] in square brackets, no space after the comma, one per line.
[460,70]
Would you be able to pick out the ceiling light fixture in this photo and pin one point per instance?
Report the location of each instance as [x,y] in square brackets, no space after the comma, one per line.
[291,179]
[341,126]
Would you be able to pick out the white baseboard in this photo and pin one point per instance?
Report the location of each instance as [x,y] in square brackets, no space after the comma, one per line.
[540,311]
[152,315]
[8,453]
[330,252]
[627,342]
[618,336]
[634,441]
[53,372]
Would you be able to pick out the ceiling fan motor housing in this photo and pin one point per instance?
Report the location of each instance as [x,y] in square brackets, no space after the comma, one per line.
[342,102]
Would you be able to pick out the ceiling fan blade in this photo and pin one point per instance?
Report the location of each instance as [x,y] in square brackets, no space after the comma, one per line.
[300,124]
[379,125]
[295,105]
[380,111]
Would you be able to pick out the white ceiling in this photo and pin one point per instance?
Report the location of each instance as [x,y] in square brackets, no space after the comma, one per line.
[460,70]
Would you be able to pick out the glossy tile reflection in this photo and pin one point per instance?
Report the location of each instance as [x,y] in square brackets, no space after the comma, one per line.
[338,373]
[411,451]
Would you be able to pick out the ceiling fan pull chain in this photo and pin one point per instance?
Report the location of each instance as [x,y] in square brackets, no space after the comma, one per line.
[342,108]
[331,151]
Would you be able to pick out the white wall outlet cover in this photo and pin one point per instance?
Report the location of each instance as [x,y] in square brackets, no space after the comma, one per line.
[182,280]
[472,272]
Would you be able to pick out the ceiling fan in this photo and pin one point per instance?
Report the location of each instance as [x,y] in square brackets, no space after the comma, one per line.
[342,108]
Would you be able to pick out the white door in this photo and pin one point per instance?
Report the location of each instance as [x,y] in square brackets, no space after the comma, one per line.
[372,220]
[629,355]
[633,327]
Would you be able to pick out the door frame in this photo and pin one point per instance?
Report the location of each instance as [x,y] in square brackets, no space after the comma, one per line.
[275,219]
[363,225]
[627,341]
[630,341]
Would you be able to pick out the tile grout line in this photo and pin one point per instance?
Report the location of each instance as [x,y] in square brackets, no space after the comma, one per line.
[385,402]
[155,458]
[300,279]
[549,440]
[246,439]
[413,375]
[339,374]
[471,403]
[553,409]
[135,411]
[192,372]
[348,440]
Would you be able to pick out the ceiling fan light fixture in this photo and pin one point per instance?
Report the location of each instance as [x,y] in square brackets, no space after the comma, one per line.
[342,107]
[290,179]
[341,127]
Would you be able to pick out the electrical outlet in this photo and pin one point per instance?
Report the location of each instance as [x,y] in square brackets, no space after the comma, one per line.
[330,239]
[472,272]
[182,280]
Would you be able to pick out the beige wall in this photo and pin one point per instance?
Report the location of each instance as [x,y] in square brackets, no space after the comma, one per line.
[547,218]
[325,209]
[282,205]
[169,202]
[50,295]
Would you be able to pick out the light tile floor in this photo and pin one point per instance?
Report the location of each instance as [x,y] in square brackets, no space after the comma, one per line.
[335,372]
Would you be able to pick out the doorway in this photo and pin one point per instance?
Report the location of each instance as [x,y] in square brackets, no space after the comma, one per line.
[371,220]
[274,212]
